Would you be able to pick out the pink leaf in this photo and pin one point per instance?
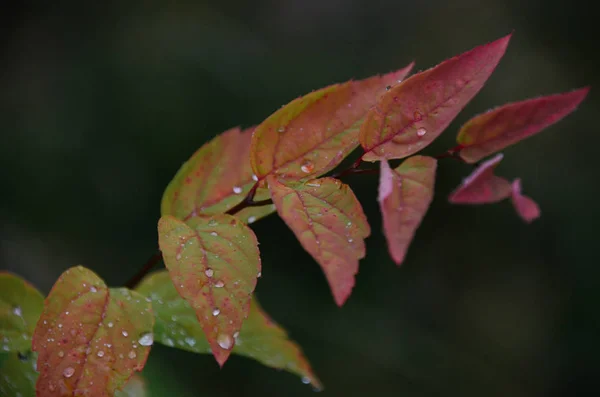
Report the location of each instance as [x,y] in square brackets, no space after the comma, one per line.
[414,113]
[482,186]
[525,206]
[405,194]
[509,124]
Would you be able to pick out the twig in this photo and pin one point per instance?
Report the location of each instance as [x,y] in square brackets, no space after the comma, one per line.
[134,281]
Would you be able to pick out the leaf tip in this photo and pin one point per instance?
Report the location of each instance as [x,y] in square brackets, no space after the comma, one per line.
[527,209]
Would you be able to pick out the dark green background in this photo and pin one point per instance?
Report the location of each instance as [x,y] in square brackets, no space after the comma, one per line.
[101,103]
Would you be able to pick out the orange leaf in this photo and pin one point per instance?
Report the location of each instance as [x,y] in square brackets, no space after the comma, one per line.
[330,224]
[90,339]
[313,134]
[215,179]
[414,113]
[214,263]
[482,186]
[405,194]
[504,126]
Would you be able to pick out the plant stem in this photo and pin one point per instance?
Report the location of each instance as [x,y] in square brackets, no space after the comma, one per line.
[134,281]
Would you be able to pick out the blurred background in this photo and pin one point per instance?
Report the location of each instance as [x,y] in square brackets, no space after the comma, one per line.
[101,103]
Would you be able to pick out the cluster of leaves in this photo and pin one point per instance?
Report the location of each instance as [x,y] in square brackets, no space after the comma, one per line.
[90,339]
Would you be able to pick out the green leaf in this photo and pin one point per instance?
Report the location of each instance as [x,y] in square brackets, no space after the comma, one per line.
[504,126]
[405,194]
[414,113]
[214,263]
[330,224]
[260,338]
[215,179]
[313,134]
[90,339]
[20,308]
[18,375]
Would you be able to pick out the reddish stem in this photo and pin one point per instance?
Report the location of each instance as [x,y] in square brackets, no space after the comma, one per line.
[135,280]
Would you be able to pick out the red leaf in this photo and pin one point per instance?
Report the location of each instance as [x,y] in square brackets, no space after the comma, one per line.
[330,224]
[525,206]
[90,339]
[482,186]
[405,194]
[214,263]
[312,134]
[414,113]
[504,126]
[215,179]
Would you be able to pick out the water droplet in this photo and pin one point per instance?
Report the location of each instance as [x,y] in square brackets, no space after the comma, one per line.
[237,189]
[216,312]
[146,339]
[251,219]
[68,372]
[17,311]
[190,341]
[307,167]
[61,354]
[313,184]
[5,348]
[100,353]
[132,355]
[169,342]
[209,272]
[178,257]
[93,289]
[59,325]
[305,380]
[348,225]
[212,222]
[51,386]
[281,129]
[421,132]
[259,274]
[125,333]
[254,178]
[235,335]
[389,87]
[110,325]
[219,284]
[350,240]
[213,234]
[224,341]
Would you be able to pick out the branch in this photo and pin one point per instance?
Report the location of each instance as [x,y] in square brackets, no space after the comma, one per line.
[135,280]
[248,201]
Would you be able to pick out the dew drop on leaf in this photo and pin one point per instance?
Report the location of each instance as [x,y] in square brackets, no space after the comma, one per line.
[219,284]
[216,312]
[305,380]
[61,354]
[281,129]
[224,341]
[307,167]
[110,325]
[251,219]
[17,311]
[146,339]
[100,353]
[132,355]
[254,178]
[213,234]
[125,334]
[190,341]
[237,189]
[421,132]
[68,372]
[209,272]
[93,289]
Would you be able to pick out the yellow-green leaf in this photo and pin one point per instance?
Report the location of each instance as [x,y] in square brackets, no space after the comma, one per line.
[260,338]
[214,264]
[20,308]
[215,179]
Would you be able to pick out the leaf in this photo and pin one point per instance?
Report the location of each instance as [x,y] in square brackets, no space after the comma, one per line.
[405,194]
[260,338]
[18,374]
[482,186]
[413,114]
[90,339]
[216,178]
[314,133]
[527,209]
[330,224]
[135,387]
[20,308]
[504,126]
[214,263]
